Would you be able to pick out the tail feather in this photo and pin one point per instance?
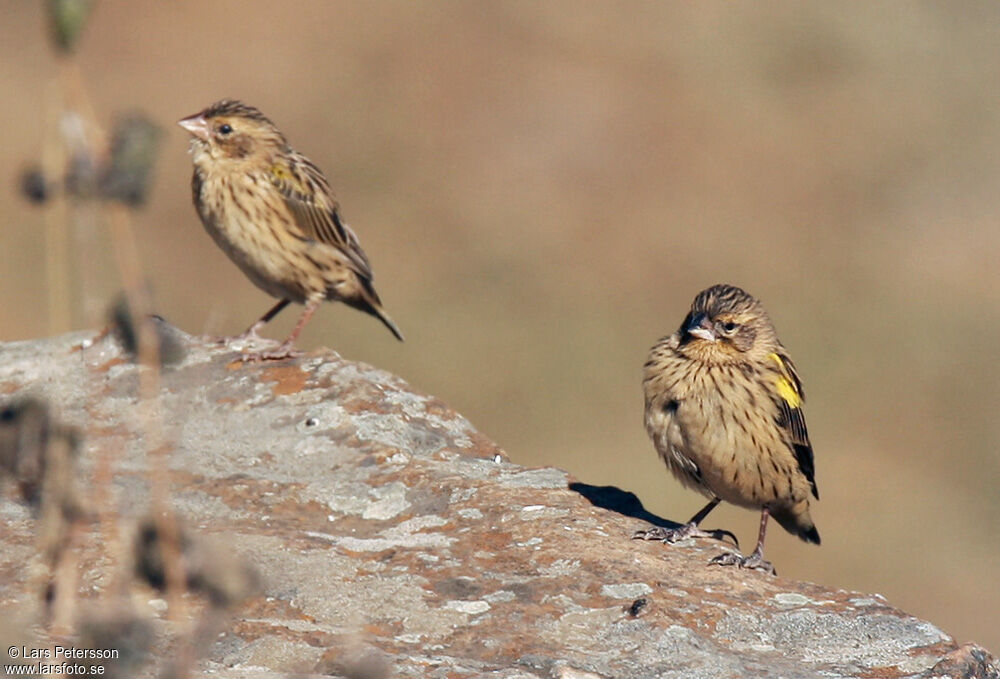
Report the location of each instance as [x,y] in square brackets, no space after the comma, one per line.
[796,520]
[367,300]
[393,328]
[378,312]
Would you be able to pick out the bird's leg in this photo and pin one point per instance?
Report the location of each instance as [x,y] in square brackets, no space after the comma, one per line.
[287,350]
[756,558]
[688,530]
[251,332]
[259,323]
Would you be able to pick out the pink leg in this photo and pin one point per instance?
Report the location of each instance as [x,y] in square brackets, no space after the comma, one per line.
[286,350]
[259,323]
[756,558]
[251,332]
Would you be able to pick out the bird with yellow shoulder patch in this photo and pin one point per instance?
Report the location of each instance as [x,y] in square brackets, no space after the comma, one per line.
[724,410]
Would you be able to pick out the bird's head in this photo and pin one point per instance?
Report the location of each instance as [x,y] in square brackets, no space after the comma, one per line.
[231,130]
[726,325]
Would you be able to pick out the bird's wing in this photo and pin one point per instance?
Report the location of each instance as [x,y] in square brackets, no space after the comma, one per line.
[310,200]
[790,417]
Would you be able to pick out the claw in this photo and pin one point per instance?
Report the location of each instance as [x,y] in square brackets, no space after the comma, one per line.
[282,352]
[755,561]
[688,530]
[250,337]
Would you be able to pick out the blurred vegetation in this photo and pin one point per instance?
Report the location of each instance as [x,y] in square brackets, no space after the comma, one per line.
[542,188]
[89,181]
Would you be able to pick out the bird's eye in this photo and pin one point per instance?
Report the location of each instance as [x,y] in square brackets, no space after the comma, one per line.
[225,128]
[729,327]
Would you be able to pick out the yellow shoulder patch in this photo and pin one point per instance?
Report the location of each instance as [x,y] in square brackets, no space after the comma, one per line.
[785,384]
[287,182]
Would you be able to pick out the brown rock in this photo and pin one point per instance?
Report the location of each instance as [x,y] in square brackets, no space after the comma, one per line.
[392,539]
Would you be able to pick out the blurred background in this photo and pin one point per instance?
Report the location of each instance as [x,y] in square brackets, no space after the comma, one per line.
[543,188]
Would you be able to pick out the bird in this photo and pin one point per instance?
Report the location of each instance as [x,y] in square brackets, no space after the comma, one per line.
[723,406]
[272,211]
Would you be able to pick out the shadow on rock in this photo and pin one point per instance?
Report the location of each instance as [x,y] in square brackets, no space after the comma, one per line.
[621,501]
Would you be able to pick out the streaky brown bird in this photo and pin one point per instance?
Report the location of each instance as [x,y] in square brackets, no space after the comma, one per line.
[272,212]
[724,411]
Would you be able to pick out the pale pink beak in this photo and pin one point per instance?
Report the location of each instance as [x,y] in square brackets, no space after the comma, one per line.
[196,126]
[702,333]
[701,327]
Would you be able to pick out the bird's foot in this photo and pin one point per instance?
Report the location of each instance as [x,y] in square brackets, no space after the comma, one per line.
[688,530]
[242,338]
[284,351]
[755,561]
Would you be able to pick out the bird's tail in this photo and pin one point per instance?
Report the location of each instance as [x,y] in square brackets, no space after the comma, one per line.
[380,313]
[375,309]
[796,520]
[369,302]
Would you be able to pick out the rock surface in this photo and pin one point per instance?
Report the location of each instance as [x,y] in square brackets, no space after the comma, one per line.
[392,539]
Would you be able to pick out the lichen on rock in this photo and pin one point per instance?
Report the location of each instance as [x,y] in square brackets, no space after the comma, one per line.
[390,536]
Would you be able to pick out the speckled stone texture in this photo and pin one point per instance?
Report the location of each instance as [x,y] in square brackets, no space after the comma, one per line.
[386,528]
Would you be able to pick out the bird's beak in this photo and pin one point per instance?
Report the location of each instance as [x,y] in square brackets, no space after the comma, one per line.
[196,126]
[701,327]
